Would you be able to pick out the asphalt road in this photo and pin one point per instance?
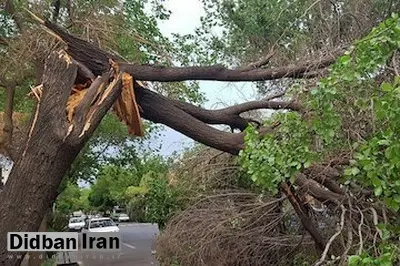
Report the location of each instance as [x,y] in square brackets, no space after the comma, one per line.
[137,247]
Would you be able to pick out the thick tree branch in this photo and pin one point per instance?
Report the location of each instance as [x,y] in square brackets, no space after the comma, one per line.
[221,73]
[97,61]
[303,215]
[180,116]
[160,109]
[326,176]
[312,187]
[231,115]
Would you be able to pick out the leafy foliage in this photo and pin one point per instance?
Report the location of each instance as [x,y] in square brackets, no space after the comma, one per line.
[236,32]
[70,199]
[389,253]
[162,200]
[278,156]
[348,110]
[119,184]
[291,147]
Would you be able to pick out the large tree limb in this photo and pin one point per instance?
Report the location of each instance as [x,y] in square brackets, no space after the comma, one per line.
[97,61]
[160,109]
[231,115]
[221,73]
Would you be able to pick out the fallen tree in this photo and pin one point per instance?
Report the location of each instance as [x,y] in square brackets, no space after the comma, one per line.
[53,142]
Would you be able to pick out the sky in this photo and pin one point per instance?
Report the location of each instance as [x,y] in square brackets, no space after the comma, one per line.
[184,19]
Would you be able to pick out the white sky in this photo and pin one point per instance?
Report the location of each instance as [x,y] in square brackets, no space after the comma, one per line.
[184,19]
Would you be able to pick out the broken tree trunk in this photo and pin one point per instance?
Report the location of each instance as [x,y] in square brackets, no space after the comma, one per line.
[50,148]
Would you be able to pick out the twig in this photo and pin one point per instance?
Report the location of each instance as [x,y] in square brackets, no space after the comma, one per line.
[360,232]
[375,218]
[325,253]
[349,237]
[262,62]
[396,71]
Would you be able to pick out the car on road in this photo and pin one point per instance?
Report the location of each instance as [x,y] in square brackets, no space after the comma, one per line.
[100,225]
[76,224]
[123,217]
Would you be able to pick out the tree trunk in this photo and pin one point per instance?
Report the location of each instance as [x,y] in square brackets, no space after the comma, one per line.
[37,258]
[50,149]
[42,167]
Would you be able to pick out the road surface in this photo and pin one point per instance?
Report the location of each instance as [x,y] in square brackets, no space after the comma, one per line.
[137,248]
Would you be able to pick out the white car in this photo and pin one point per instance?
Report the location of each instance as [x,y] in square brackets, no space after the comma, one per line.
[123,217]
[76,224]
[100,225]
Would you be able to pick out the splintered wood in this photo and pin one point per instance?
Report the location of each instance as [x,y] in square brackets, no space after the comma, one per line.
[73,102]
[127,108]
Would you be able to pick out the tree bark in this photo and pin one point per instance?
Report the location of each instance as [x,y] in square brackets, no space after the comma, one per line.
[49,151]
[45,162]
[304,217]
[37,258]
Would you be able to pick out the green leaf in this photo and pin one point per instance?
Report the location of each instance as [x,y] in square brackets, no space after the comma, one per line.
[387,87]
[355,171]
[378,191]
[353,260]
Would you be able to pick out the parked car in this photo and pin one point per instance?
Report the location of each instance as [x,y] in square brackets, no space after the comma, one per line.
[123,217]
[100,225]
[76,224]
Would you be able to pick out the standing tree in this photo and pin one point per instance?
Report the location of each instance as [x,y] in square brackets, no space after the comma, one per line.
[345,120]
